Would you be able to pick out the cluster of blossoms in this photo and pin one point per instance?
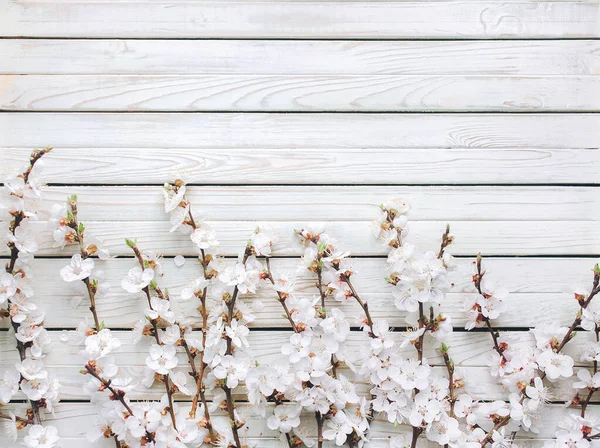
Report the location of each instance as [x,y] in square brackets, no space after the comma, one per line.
[522,369]
[19,203]
[406,389]
[316,376]
[308,377]
[107,384]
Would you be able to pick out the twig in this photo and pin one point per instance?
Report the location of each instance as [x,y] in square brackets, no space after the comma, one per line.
[10,269]
[165,377]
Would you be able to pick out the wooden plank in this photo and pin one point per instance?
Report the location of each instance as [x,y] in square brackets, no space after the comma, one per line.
[331,203]
[565,238]
[66,364]
[481,385]
[456,19]
[535,284]
[74,419]
[323,166]
[299,131]
[379,93]
[247,57]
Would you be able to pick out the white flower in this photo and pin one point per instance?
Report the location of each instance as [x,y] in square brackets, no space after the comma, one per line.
[162,358]
[8,287]
[284,418]
[160,309]
[31,369]
[234,369]
[589,319]
[586,380]
[9,385]
[262,240]
[336,325]
[137,279]
[24,239]
[100,344]
[555,365]
[41,437]
[337,428]
[35,389]
[204,238]
[172,197]
[194,289]
[573,438]
[78,269]
[237,333]
[297,348]
[179,379]
[443,430]
[246,280]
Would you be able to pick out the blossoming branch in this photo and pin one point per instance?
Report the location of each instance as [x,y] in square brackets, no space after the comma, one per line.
[20,202]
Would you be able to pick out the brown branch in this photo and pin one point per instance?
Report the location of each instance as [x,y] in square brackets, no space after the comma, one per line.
[165,377]
[282,297]
[567,337]
[35,156]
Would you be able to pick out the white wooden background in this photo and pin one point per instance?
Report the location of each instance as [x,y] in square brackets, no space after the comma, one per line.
[483,113]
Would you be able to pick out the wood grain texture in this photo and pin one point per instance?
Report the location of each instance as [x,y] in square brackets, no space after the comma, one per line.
[247,57]
[376,93]
[564,238]
[313,166]
[456,19]
[300,131]
[332,203]
[73,419]
[534,283]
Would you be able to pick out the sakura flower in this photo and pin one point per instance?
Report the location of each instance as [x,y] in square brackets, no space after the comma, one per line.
[41,437]
[78,269]
[336,325]
[573,438]
[179,379]
[555,365]
[590,319]
[297,348]
[237,333]
[173,196]
[162,358]
[8,287]
[232,369]
[424,410]
[9,385]
[443,430]
[160,308]
[35,389]
[100,344]
[284,418]
[31,369]
[204,238]
[586,380]
[24,239]
[261,241]
[137,279]
[246,280]
[194,289]
[337,428]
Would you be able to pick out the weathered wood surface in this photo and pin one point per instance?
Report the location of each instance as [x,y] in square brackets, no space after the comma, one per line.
[292,57]
[457,19]
[299,93]
[534,283]
[314,166]
[300,131]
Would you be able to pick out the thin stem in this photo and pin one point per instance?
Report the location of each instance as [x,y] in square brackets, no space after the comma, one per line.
[117,394]
[567,337]
[416,432]
[165,377]
[10,268]
[363,305]
[231,412]
[282,297]
[319,419]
